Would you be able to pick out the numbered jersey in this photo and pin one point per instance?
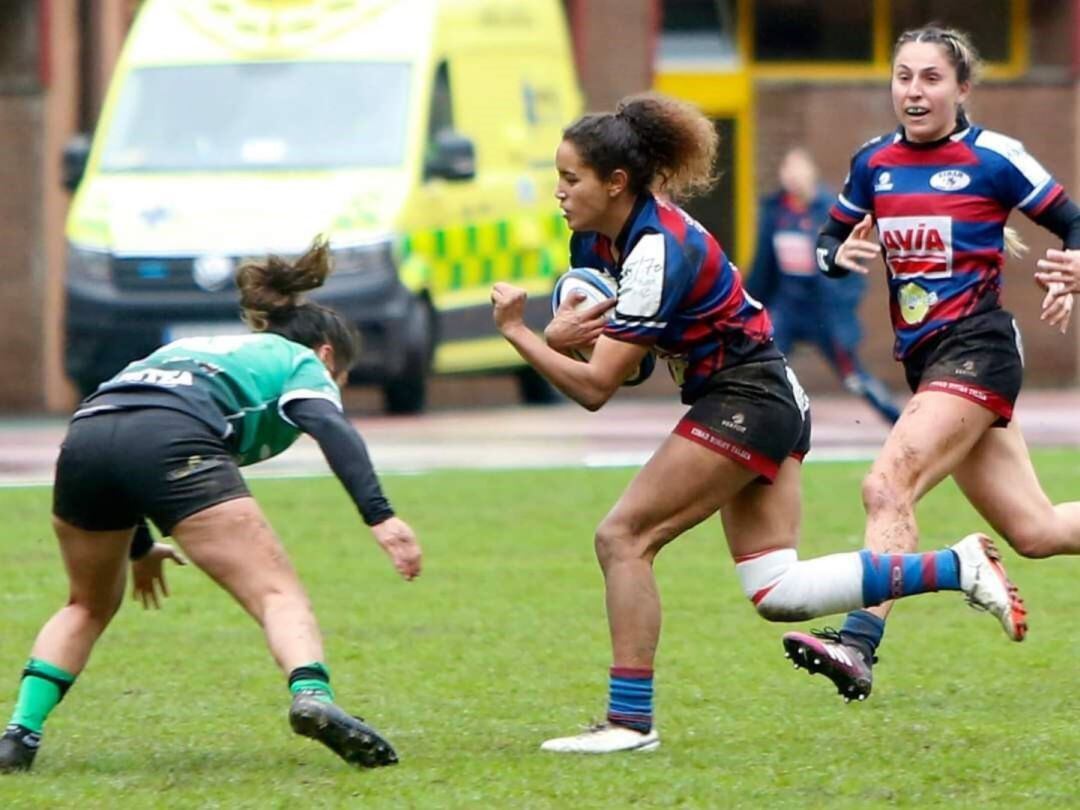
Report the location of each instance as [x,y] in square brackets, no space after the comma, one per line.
[237,384]
[678,293]
[940,211]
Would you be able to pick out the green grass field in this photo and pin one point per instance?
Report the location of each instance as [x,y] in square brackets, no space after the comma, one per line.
[503,642]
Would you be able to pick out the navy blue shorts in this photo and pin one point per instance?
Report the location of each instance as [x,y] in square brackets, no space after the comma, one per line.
[116,467]
[753,414]
[979,358]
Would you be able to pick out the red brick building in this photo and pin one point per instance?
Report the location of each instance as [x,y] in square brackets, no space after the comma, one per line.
[55,59]
[776,73]
[771,72]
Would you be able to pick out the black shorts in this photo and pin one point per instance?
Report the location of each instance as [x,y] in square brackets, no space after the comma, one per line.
[980,359]
[752,414]
[118,466]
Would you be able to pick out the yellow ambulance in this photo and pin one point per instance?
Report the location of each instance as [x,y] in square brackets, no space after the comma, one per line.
[417,134]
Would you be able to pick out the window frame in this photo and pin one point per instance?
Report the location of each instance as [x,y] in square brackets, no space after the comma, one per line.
[882,37]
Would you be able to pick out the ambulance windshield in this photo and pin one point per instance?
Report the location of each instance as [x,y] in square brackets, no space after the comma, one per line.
[260,116]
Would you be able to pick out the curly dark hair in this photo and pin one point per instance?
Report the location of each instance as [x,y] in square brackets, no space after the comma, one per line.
[665,145]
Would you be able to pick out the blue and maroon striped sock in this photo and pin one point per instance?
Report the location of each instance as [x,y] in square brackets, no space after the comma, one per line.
[890,576]
[630,694]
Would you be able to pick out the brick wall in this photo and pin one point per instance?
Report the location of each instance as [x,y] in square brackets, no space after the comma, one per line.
[39,102]
[21,271]
[613,42]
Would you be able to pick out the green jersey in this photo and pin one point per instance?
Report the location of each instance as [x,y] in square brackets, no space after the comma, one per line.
[237,384]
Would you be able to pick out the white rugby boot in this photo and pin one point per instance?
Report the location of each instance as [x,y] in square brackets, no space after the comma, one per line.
[604,739]
[986,586]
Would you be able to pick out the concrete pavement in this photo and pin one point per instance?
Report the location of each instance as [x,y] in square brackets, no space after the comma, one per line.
[622,433]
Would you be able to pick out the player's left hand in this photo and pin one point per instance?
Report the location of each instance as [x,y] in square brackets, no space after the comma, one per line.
[1060,267]
[148,574]
[508,306]
[1057,306]
[574,328]
[398,540]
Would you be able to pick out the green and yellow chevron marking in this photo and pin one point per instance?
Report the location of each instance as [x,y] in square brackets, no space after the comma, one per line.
[470,256]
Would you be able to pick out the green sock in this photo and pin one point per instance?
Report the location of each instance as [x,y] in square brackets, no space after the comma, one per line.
[312,678]
[43,686]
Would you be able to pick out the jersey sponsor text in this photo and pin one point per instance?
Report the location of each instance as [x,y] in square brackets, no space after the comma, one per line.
[918,246]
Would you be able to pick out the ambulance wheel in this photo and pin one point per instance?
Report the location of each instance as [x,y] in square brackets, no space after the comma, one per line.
[407,392]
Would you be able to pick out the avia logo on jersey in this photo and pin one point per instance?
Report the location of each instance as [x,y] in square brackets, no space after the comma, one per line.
[950,180]
[917,246]
[883,182]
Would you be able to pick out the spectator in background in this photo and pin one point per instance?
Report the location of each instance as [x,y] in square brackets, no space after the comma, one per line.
[804,304]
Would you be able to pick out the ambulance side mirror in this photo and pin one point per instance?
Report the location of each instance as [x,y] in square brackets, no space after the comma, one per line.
[450,156]
[73,161]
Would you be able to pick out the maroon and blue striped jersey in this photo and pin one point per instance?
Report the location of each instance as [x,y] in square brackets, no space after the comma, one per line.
[940,211]
[678,293]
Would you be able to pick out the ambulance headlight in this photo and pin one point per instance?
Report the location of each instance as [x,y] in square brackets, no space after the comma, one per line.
[374,259]
[89,264]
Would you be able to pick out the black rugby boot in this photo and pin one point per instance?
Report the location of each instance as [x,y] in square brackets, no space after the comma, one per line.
[345,735]
[18,747]
[826,652]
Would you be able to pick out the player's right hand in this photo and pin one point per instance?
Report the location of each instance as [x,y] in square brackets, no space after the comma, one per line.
[398,540]
[1057,306]
[507,306]
[1061,268]
[858,250]
[148,575]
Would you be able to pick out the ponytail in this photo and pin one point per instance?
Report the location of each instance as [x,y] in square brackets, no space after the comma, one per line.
[272,300]
[1015,246]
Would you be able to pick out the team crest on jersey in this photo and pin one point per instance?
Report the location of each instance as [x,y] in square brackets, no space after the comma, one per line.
[884,182]
[950,180]
[917,246]
[915,303]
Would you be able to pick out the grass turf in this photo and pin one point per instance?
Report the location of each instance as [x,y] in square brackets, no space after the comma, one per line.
[503,642]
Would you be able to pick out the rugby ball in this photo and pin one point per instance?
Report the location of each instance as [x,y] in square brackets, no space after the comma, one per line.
[596,285]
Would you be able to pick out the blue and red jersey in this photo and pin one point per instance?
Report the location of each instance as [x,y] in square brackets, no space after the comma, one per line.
[678,293]
[940,211]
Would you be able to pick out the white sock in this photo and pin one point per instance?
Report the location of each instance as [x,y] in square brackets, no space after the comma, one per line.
[784,588]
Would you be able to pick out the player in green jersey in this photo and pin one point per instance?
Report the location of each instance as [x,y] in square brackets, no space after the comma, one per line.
[163,440]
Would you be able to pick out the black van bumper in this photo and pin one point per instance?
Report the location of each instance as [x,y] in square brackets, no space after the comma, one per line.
[107,327]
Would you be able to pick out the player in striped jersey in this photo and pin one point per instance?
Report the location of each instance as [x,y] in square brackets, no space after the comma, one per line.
[939,191]
[738,449]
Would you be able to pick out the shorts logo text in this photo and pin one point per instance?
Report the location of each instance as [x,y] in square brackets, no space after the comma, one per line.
[735,423]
